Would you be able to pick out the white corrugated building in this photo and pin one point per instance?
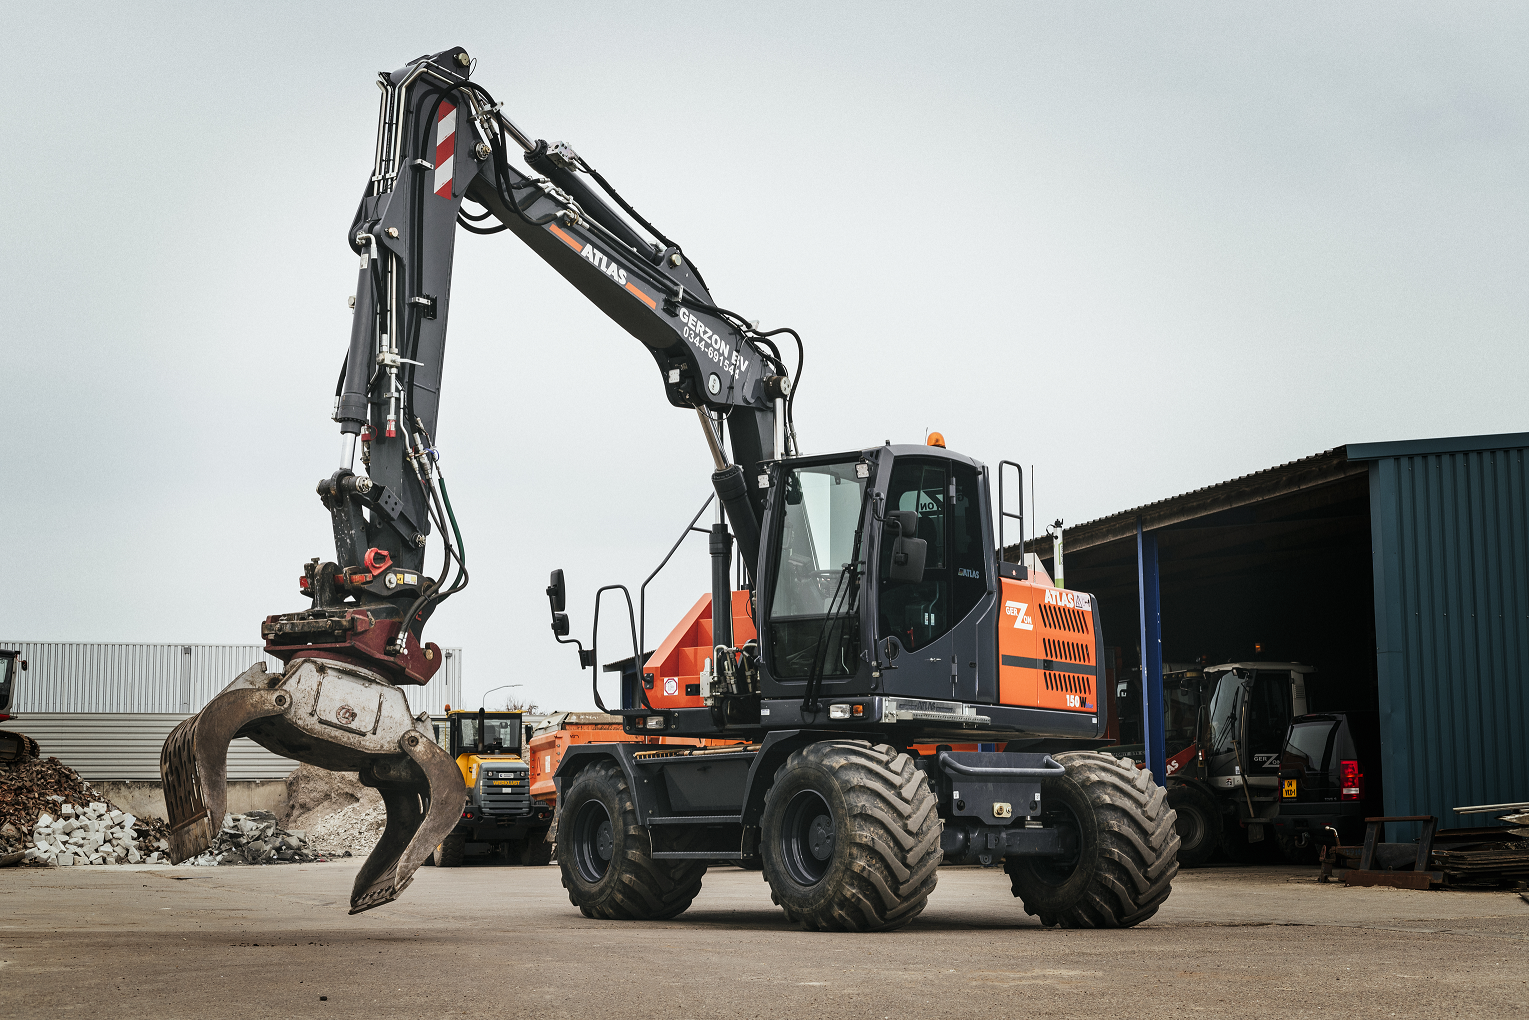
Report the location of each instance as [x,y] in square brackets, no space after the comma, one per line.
[105,709]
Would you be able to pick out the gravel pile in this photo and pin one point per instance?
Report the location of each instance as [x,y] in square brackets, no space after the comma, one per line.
[336,811]
[354,829]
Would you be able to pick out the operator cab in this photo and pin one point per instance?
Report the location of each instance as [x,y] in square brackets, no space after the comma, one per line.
[875,561]
[484,733]
[1250,706]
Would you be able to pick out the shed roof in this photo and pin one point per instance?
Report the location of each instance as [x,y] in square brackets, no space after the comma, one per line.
[1306,473]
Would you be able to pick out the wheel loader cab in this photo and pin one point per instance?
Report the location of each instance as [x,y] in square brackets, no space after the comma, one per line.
[878,576]
[477,739]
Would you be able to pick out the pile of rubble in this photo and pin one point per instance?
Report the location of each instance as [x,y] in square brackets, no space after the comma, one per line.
[335,810]
[29,788]
[255,838]
[95,833]
[49,816]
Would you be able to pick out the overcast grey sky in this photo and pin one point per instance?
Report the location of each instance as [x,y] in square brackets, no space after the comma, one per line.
[1143,247]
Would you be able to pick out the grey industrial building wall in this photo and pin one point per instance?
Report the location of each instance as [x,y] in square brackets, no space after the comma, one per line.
[1450,542]
[123,747]
[87,676]
[105,709]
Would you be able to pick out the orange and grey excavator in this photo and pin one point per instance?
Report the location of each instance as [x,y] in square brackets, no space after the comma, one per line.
[873,614]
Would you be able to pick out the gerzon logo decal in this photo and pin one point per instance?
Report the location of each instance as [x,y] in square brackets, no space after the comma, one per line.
[1017,610]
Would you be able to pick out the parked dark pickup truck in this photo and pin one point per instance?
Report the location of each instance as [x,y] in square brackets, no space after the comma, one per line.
[1329,777]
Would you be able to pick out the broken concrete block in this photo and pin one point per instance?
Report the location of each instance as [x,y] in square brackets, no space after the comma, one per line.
[44,819]
[67,811]
[65,860]
[133,856]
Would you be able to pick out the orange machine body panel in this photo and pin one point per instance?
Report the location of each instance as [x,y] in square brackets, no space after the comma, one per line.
[676,665]
[930,750]
[546,749]
[1047,648]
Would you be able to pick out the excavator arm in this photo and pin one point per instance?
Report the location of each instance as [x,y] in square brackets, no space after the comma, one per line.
[442,141]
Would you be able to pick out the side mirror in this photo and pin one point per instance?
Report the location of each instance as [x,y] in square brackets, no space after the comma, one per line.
[560,624]
[558,594]
[908,553]
[23,665]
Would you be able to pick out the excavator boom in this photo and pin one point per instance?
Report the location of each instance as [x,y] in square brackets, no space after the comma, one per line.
[442,141]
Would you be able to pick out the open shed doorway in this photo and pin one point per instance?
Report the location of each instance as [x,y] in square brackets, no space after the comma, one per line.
[1285,579]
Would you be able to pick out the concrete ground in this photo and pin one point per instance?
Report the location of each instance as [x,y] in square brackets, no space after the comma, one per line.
[493,941]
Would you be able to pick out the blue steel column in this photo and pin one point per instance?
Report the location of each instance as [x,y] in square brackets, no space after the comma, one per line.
[1151,654]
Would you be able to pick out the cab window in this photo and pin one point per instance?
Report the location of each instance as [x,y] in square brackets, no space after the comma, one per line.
[500,735]
[946,497]
[815,608]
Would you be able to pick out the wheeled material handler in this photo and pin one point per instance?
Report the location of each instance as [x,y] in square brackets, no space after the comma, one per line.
[871,611]
[1224,729]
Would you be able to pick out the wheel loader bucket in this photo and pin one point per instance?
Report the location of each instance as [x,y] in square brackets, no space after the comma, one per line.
[338,717]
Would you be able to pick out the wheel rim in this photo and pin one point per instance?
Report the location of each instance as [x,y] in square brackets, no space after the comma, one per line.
[594,841]
[1070,832]
[1191,826]
[807,838]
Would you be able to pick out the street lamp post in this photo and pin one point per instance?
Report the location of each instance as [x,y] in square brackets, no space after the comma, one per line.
[491,690]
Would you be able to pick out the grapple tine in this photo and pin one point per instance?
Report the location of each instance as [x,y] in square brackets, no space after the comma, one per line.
[194,762]
[337,716]
[419,817]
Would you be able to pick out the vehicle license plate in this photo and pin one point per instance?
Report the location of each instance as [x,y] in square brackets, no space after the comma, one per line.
[1290,789]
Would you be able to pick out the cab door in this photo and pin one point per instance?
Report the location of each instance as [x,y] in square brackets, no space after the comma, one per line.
[941,626]
[1268,722]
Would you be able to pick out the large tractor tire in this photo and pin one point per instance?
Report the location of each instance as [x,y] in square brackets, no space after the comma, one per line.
[605,854]
[451,851]
[850,837]
[531,851]
[1123,847]
[1198,823]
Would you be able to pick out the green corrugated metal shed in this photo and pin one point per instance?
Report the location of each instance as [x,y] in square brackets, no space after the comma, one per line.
[1450,545]
[1441,530]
